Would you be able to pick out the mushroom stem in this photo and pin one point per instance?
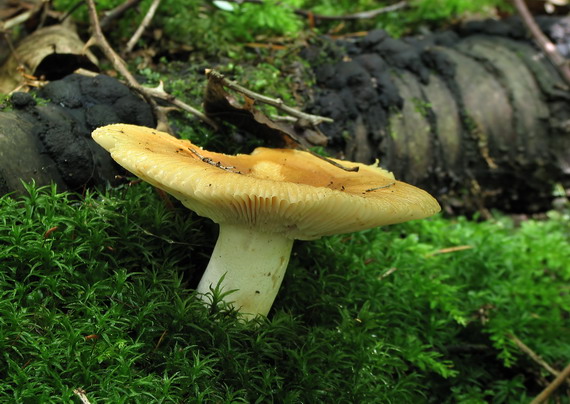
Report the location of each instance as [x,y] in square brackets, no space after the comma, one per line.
[250,264]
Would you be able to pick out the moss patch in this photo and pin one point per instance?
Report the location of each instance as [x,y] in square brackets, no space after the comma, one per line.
[96,292]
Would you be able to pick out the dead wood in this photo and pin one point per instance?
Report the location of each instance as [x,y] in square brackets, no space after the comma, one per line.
[363,15]
[47,54]
[143,25]
[549,49]
[98,38]
[478,120]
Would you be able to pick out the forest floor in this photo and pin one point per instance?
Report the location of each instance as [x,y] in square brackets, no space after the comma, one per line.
[97,300]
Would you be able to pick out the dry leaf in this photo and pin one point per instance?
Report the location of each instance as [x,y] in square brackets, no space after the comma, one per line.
[221,105]
[49,53]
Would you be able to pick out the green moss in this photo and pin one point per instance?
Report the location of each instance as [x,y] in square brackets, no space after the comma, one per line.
[104,302]
[267,18]
[320,150]
[422,107]
[6,101]
[5,104]
[210,30]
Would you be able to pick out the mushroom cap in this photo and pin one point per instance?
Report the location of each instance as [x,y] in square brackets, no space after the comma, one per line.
[282,191]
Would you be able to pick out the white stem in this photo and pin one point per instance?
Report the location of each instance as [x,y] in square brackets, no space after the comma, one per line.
[252,265]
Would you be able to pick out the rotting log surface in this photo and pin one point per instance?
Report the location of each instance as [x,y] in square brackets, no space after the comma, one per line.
[51,142]
[477,116]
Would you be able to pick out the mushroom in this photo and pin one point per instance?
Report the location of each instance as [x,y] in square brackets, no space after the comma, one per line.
[263,201]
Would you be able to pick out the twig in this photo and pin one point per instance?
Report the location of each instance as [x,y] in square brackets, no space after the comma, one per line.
[559,62]
[160,340]
[158,92]
[208,160]
[144,24]
[388,273]
[313,120]
[281,118]
[79,392]
[330,161]
[277,103]
[21,18]
[11,46]
[70,11]
[450,250]
[356,16]
[380,187]
[117,12]
[99,39]
[44,14]
[119,64]
[544,394]
[535,357]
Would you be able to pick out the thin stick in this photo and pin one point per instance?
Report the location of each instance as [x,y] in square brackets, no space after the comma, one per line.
[547,392]
[277,103]
[11,46]
[99,39]
[82,395]
[160,340]
[313,120]
[22,17]
[450,250]
[72,10]
[208,160]
[356,16]
[533,355]
[117,12]
[388,273]
[334,163]
[144,24]
[543,42]
[158,92]
[380,187]
[119,64]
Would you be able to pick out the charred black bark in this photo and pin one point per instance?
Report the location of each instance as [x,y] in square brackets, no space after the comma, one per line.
[52,142]
[478,117]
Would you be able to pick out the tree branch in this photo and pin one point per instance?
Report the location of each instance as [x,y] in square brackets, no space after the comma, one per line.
[161,94]
[559,62]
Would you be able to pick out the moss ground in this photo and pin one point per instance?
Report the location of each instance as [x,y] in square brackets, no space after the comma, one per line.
[96,292]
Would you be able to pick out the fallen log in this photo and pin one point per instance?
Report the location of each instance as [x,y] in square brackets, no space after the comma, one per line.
[478,117]
[51,141]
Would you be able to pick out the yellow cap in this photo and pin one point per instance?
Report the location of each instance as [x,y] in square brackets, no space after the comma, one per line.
[271,190]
